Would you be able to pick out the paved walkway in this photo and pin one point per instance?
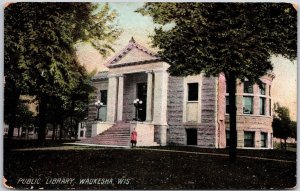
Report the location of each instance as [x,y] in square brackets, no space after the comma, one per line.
[81,146]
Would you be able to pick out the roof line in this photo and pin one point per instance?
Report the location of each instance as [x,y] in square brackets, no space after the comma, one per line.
[132,44]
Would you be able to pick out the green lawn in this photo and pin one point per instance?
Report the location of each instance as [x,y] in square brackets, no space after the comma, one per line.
[149,169]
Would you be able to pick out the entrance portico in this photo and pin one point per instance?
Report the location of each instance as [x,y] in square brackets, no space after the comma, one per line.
[149,86]
[136,73]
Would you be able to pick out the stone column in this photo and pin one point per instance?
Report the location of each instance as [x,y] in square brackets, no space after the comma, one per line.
[112,98]
[149,96]
[160,104]
[120,98]
[160,97]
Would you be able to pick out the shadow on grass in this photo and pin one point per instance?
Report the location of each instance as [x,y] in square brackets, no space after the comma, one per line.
[147,169]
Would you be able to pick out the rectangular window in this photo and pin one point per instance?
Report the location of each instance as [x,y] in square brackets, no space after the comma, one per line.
[248,105]
[81,133]
[82,125]
[262,90]
[263,140]
[227,104]
[262,106]
[248,87]
[103,96]
[249,139]
[193,92]
[269,90]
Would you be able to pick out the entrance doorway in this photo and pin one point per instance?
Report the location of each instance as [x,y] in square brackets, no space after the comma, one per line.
[142,95]
[191,136]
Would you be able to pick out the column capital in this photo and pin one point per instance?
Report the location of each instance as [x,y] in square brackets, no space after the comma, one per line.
[160,71]
[149,72]
[114,75]
[111,75]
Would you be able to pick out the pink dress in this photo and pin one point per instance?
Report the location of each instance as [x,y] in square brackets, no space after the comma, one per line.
[133,136]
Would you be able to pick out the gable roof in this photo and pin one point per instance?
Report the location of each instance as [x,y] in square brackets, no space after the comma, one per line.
[100,76]
[132,54]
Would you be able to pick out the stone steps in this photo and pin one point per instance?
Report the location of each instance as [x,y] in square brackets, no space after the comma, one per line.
[118,134]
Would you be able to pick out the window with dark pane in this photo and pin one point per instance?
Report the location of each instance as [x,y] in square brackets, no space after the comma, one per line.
[262,106]
[193,92]
[262,89]
[103,96]
[263,139]
[248,105]
[249,139]
[248,87]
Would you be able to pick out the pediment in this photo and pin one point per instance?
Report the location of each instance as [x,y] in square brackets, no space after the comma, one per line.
[133,53]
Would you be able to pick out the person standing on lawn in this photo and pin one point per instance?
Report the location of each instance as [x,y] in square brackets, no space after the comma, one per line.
[133,138]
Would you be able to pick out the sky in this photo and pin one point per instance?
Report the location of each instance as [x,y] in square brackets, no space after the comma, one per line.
[284,86]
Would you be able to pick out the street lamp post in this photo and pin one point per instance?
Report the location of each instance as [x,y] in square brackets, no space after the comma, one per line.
[137,104]
[98,105]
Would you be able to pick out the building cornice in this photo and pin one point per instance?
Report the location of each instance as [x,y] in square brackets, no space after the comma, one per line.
[111,63]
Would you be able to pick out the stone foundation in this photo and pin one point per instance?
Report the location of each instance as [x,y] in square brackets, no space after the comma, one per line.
[145,133]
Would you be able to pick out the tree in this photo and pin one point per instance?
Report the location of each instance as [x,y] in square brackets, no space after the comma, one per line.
[39,49]
[73,106]
[24,117]
[236,39]
[283,126]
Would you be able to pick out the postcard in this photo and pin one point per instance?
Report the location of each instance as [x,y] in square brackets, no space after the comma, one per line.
[150,95]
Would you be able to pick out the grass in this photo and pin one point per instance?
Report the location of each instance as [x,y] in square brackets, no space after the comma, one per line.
[150,169]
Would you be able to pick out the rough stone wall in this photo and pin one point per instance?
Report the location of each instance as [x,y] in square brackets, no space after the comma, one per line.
[177,129]
[253,122]
[130,81]
[176,133]
[156,134]
[207,128]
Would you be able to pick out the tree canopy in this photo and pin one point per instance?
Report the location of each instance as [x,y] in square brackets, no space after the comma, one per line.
[223,37]
[236,39]
[283,126]
[40,38]
[39,46]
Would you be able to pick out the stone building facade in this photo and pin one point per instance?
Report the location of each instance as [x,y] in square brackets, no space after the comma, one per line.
[174,110]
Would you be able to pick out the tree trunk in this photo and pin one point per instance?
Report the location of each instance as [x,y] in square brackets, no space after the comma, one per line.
[53,131]
[285,144]
[231,83]
[42,118]
[61,129]
[13,105]
[76,130]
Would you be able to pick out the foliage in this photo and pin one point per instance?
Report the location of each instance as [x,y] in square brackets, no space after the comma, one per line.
[24,117]
[72,106]
[40,39]
[223,37]
[236,39]
[40,43]
[283,126]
